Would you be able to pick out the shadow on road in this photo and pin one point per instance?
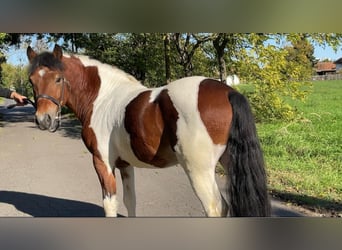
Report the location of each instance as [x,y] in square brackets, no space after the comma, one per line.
[17,114]
[318,205]
[45,206]
[70,126]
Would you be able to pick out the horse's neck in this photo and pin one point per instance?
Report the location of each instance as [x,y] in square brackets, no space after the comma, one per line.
[93,89]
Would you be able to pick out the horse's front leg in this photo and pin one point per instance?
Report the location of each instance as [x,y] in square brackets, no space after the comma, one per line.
[108,183]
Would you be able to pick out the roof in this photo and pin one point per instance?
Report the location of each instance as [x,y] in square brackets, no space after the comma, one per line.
[325,66]
[338,61]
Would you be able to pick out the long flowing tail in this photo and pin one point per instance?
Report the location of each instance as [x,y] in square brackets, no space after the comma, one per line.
[247,186]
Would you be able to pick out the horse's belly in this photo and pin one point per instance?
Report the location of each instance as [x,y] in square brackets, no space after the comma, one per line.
[163,157]
[134,161]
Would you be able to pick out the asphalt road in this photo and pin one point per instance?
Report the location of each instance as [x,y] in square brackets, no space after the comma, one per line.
[46,174]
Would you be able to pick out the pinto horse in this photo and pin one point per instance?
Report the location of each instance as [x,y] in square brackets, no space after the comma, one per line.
[193,122]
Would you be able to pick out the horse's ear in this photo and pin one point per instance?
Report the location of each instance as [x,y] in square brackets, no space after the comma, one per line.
[30,53]
[57,52]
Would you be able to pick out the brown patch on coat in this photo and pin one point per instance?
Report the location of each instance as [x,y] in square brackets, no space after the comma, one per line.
[215,109]
[107,179]
[152,127]
[119,163]
[170,116]
[85,86]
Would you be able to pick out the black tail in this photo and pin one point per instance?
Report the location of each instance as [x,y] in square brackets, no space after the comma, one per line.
[247,188]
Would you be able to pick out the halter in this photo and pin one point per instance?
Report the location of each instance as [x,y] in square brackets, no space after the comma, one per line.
[58,103]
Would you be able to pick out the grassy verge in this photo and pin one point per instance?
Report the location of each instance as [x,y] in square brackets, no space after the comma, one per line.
[304,157]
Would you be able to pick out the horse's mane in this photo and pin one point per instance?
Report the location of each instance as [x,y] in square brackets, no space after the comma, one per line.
[46,59]
[88,61]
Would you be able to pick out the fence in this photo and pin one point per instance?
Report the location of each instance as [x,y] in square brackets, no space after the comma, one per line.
[327,77]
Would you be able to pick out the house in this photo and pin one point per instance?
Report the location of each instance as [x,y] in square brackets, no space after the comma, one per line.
[338,64]
[325,68]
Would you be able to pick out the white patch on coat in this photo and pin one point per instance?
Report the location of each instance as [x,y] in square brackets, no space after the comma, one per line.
[116,91]
[110,205]
[196,151]
[41,72]
[194,142]
[155,93]
[190,128]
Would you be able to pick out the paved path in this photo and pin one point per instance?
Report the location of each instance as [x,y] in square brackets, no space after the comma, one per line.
[51,174]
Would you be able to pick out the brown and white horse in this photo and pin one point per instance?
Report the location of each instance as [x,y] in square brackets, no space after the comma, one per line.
[193,122]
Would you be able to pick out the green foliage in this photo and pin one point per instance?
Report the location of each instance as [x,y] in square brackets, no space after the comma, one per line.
[280,73]
[304,156]
[15,77]
[300,57]
[276,79]
[138,54]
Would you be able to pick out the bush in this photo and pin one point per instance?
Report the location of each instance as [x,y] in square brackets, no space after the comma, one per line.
[275,80]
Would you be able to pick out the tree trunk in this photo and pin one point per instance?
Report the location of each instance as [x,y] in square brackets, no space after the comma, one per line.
[222,67]
[186,45]
[220,43]
[167,50]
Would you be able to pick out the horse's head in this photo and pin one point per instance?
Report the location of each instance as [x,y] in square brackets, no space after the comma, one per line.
[49,86]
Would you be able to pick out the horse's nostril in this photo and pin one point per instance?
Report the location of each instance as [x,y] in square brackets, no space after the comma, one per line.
[47,119]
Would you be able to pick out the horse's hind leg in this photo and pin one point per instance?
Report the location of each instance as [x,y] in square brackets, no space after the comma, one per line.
[127,176]
[205,187]
[201,172]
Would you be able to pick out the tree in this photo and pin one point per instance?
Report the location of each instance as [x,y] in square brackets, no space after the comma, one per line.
[186,45]
[220,44]
[167,57]
[15,77]
[279,72]
[6,39]
[300,55]
[142,56]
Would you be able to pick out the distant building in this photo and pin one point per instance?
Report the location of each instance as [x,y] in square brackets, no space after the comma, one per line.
[232,80]
[325,68]
[328,70]
[338,64]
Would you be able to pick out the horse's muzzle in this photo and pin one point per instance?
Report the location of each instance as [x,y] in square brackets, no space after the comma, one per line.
[47,122]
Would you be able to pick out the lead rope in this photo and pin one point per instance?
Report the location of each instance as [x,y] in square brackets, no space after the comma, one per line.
[60,104]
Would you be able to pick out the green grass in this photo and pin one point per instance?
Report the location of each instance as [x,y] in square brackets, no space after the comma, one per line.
[304,157]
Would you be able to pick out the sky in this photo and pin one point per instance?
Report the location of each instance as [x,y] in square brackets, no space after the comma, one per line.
[18,56]
[327,53]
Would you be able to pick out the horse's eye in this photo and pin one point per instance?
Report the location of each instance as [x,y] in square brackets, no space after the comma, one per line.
[59,79]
